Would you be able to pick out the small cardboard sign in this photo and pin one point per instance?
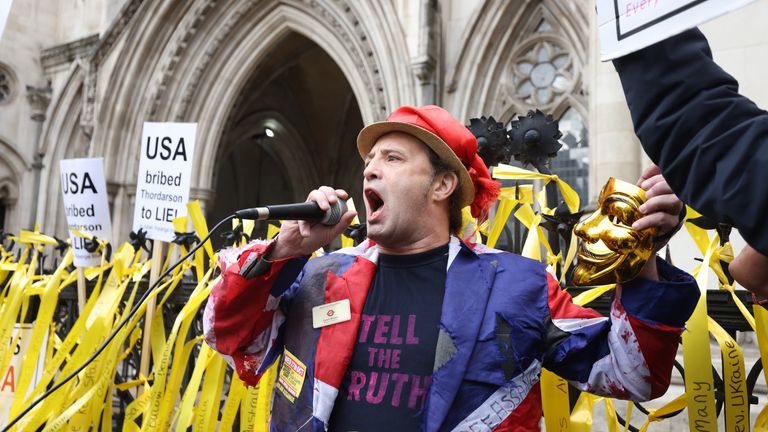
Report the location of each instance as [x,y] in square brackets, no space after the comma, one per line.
[9,378]
[291,376]
[5,10]
[626,26]
[164,179]
[86,205]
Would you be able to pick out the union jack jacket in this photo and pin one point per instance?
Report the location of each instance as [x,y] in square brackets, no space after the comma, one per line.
[505,317]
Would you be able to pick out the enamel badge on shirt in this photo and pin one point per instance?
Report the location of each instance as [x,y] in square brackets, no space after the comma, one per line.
[331,313]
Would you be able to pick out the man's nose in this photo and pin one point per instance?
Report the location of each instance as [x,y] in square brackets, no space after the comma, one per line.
[371,170]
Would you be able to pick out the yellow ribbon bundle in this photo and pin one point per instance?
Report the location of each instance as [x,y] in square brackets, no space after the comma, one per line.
[170,398]
[160,402]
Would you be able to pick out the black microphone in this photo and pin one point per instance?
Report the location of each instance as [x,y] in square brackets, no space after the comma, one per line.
[307,211]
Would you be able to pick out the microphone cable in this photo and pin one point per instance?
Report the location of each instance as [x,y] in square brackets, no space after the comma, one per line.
[120,326]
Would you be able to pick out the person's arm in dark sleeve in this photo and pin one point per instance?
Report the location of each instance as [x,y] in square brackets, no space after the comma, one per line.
[710,142]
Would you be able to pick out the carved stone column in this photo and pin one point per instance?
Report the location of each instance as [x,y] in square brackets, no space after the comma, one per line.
[424,64]
[39,98]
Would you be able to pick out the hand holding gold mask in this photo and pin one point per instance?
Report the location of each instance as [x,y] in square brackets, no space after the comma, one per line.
[662,208]
[630,224]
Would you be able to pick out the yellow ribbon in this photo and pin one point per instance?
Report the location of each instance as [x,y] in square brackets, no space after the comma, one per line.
[699,384]
[198,221]
[347,241]
[734,380]
[655,415]
[164,392]
[40,332]
[591,294]
[581,417]
[248,411]
[555,402]
[34,238]
[272,231]
[506,172]
[207,409]
[761,329]
[503,210]
[186,408]
[236,393]
[264,396]
[82,342]
[97,391]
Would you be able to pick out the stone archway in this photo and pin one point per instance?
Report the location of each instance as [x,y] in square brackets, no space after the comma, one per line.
[516,58]
[291,130]
[193,61]
[483,80]
[62,138]
[12,169]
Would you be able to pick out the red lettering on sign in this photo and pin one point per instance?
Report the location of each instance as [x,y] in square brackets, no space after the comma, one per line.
[637,6]
[9,380]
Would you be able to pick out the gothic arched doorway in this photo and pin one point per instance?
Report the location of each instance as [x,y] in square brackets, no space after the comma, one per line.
[292,128]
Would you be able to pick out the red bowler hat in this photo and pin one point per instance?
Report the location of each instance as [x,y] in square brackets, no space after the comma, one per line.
[452,142]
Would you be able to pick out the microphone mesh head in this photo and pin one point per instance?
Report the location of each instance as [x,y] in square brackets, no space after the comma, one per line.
[333,216]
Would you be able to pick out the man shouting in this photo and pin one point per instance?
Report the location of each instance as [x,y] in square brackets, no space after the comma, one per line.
[416,330]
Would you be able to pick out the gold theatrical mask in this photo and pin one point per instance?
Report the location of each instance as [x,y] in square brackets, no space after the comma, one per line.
[610,251]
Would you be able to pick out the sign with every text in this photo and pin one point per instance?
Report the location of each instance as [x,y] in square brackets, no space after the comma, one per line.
[629,25]
[86,205]
[165,171]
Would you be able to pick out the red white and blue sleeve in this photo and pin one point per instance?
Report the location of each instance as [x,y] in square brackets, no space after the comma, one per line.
[630,354]
[242,318]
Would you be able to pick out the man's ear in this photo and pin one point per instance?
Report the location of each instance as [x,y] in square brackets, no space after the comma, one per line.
[444,184]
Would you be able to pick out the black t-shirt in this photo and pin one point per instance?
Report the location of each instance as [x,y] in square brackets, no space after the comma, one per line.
[391,368]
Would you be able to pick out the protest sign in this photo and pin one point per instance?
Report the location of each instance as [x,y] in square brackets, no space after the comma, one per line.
[165,171]
[22,335]
[86,205]
[626,26]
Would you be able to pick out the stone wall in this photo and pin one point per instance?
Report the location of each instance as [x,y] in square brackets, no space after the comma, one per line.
[85,74]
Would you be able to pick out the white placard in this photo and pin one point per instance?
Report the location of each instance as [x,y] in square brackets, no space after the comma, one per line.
[629,25]
[9,378]
[5,10]
[86,205]
[165,172]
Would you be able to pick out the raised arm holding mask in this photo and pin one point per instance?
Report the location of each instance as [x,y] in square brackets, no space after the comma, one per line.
[710,142]
[414,329]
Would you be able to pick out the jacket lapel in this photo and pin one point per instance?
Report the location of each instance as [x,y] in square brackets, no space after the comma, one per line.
[467,288]
[336,342]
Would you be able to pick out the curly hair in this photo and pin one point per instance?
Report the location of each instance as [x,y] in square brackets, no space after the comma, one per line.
[454,207]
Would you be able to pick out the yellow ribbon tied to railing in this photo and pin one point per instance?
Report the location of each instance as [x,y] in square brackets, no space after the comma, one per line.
[699,384]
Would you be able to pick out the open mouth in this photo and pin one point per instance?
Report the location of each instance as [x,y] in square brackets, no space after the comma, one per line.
[375,203]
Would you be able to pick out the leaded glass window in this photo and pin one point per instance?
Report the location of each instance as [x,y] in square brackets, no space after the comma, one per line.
[572,161]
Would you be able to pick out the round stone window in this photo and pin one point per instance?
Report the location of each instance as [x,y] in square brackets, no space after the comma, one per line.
[542,73]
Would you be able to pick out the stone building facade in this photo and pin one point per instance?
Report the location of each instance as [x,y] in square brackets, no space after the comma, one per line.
[280,88]
[78,79]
